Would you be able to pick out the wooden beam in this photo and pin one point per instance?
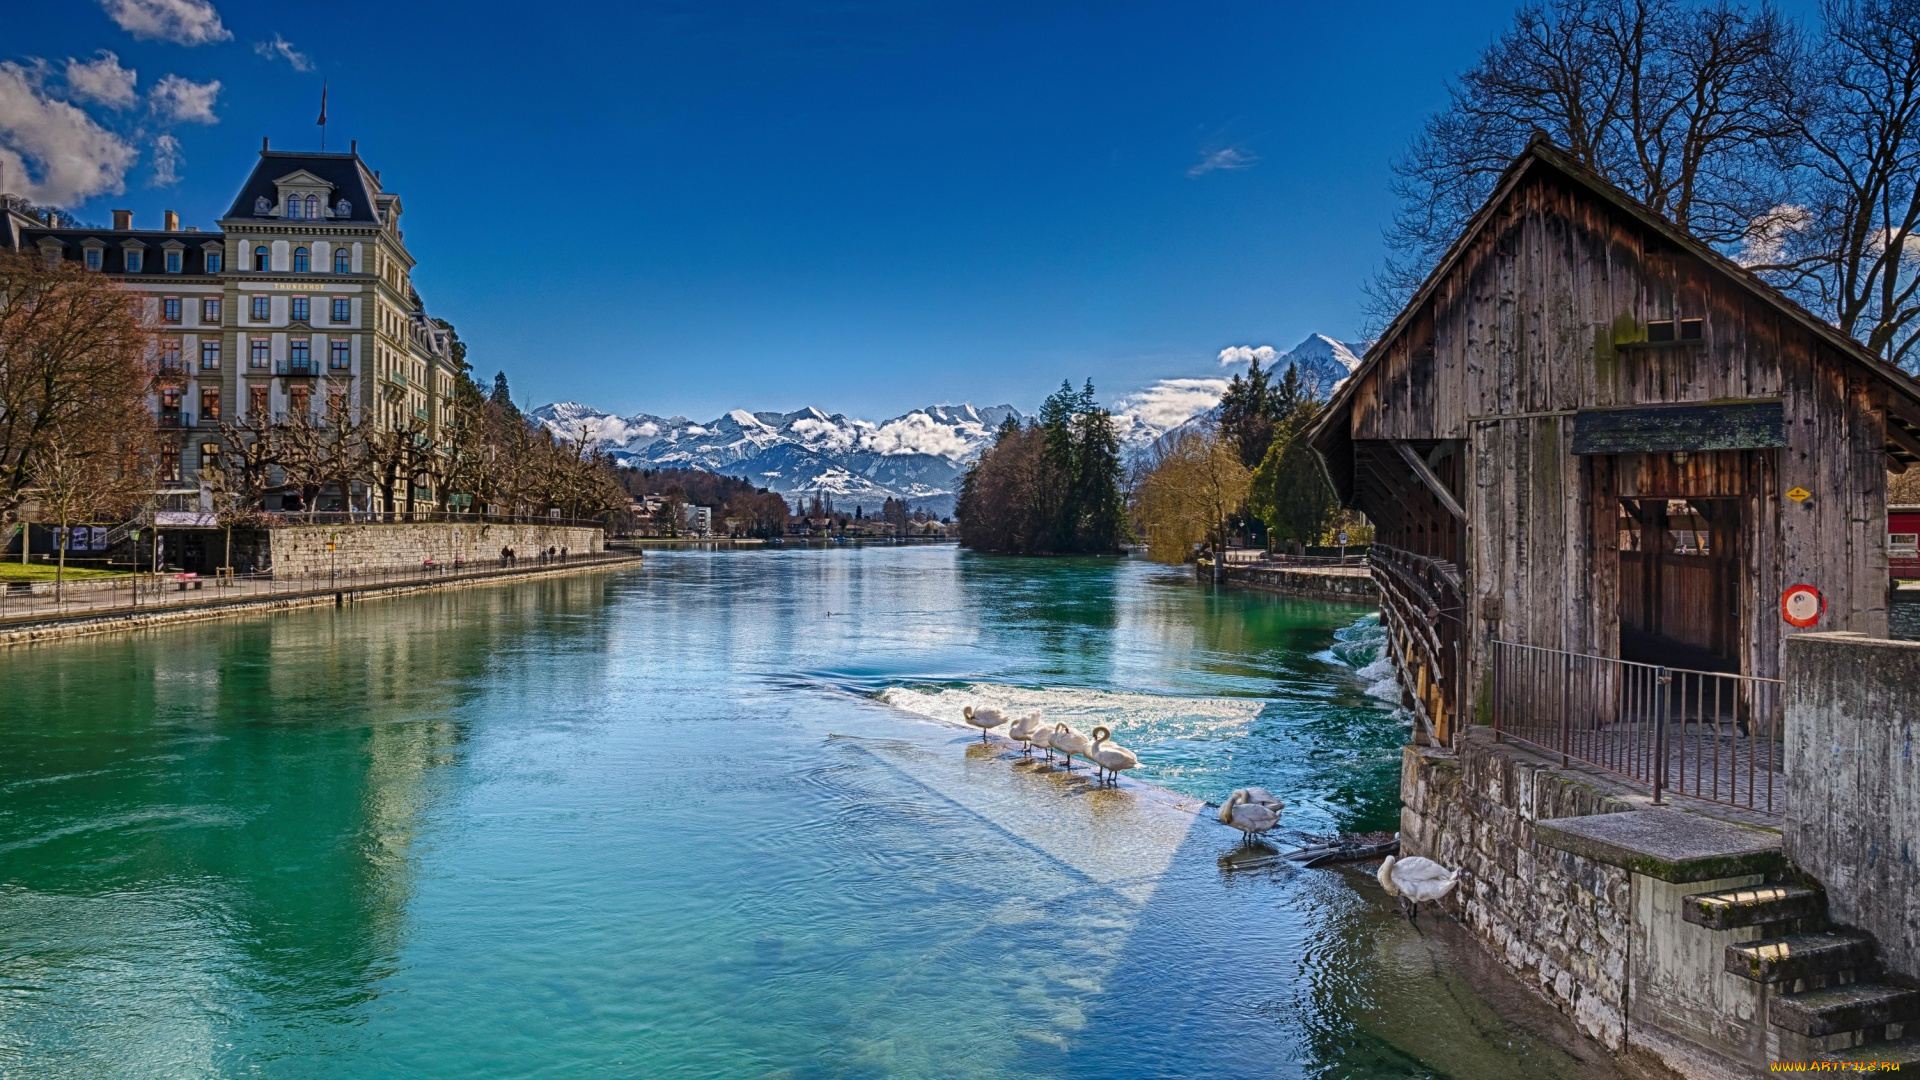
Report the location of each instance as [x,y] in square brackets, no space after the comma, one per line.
[1419,466]
[1898,435]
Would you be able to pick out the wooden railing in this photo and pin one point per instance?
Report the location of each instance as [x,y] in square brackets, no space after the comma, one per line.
[1420,607]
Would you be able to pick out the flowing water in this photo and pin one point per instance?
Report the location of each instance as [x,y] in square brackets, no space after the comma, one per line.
[712,818]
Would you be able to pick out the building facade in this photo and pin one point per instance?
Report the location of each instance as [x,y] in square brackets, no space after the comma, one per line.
[298,303]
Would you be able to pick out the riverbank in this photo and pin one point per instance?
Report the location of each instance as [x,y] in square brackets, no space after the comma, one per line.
[164,610]
[1351,584]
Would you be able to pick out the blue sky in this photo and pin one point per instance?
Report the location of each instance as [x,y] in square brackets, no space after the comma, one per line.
[690,207]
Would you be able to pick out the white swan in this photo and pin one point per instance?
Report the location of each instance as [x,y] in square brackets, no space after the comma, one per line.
[1415,881]
[1112,758]
[1251,818]
[1043,738]
[1262,797]
[1071,742]
[984,719]
[1023,730]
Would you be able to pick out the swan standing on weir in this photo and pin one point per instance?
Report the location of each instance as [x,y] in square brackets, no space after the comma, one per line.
[1023,730]
[1416,880]
[1042,737]
[1112,759]
[1071,742]
[1251,818]
[984,719]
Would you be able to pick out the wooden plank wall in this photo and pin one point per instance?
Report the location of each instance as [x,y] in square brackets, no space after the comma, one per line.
[1545,314]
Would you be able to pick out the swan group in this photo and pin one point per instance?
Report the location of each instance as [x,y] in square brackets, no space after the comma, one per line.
[1416,880]
[1108,758]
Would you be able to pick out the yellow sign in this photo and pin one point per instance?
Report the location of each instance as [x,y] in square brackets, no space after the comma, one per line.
[1799,494]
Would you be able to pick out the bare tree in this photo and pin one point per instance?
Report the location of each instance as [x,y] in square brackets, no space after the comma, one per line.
[1850,246]
[90,472]
[240,475]
[72,349]
[1691,109]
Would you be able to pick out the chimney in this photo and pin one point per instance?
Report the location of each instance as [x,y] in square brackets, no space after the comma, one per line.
[263,144]
[122,220]
[353,146]
[172,221]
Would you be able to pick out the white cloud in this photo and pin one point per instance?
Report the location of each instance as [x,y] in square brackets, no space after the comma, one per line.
[1767,235]
[1165,405]
[918,433]
[184,101]
[166,161]
[1228,159]
[51,151]
[1241,354]
[184,22]
[102,81]
[282,49]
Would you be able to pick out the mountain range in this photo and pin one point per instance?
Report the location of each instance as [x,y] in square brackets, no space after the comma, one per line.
[918,456]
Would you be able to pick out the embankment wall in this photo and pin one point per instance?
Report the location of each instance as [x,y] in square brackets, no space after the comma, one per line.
[1853,783]
[302,549]
[1305,581]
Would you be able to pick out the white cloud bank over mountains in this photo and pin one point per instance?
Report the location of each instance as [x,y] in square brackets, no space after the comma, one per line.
[918,456]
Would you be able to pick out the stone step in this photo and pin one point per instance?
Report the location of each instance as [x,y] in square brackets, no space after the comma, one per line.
[1799,956]
[1835,1009]
[1900,1052]
[1752,905]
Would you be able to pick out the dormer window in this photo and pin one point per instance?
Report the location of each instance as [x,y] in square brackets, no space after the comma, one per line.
[213,262]
[173,262]
[136,260]
[342,261]
[313,207]
[93,258]
[302,260]
[262,258]
[342,209]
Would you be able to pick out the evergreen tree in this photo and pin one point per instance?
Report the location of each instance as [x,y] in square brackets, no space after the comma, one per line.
[1249,411]
[501,398]
[1102,511]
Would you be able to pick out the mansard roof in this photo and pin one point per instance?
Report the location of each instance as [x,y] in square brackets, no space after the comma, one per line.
[346,173]
[115,243]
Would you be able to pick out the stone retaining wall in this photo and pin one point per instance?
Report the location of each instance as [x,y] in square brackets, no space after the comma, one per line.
[1561,922]
[1853,783]
[1306,581]
[302,549]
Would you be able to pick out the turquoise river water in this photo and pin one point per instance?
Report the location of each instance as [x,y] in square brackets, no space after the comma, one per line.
[712,817]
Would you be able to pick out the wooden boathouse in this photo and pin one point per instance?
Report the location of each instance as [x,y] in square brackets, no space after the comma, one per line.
[1590,437]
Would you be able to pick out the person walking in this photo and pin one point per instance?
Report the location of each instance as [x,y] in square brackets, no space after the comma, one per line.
[505,554]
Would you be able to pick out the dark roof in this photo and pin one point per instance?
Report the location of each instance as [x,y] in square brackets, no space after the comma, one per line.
[346,172]
[1540,152]
[73,245]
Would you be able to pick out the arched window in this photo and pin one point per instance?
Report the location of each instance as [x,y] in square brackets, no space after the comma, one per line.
[293,208]
[313,206]
[302,261]
[342,261]
[261,257]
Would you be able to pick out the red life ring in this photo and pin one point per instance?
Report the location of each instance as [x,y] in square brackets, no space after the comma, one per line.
[1802,606]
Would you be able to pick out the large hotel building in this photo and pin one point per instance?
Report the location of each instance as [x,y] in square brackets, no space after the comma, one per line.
[298,302]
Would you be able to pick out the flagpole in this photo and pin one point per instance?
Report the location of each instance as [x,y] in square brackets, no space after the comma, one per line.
[323,116]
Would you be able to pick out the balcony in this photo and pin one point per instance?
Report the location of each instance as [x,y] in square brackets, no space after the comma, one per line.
[175,421]
[174,367]
[300,369]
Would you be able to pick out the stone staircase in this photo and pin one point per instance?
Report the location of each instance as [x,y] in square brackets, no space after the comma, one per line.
[1826,998]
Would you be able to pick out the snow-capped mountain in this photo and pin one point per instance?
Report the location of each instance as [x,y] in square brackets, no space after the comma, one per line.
[918,456]
[1150,414]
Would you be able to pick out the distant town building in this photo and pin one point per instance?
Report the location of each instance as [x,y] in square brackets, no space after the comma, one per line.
[299,301]
[698,520]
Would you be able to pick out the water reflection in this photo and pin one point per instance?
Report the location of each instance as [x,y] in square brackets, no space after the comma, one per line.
[704,819]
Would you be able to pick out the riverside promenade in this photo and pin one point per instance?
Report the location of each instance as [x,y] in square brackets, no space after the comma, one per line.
[99,606]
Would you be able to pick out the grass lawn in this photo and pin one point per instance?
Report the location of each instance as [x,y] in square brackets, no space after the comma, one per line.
[39,571]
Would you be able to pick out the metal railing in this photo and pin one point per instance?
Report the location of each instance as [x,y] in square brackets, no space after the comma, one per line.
[1704,734]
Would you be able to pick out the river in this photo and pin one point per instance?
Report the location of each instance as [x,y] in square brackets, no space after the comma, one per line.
[711,817]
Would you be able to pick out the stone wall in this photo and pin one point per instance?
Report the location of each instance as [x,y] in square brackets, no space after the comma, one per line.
[302,549]
[1853,784]
[1561,922]
[1327,584]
